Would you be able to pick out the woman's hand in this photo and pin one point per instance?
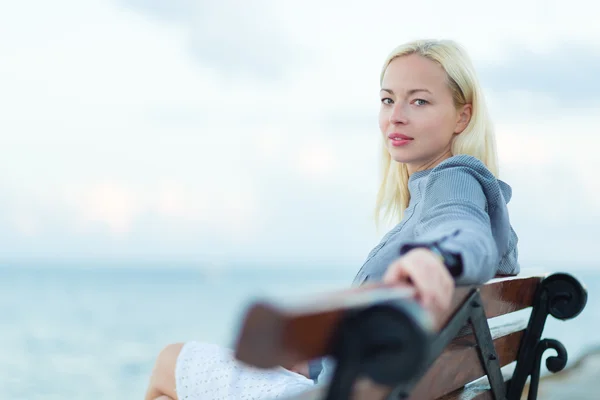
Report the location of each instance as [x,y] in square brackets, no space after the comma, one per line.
[425,271]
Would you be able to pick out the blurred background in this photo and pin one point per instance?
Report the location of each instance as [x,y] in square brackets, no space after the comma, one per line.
[165,162]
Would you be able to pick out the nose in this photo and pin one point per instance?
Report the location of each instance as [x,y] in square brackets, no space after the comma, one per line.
[398,114]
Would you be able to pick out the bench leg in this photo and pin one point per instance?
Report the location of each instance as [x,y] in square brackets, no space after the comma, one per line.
[487,351]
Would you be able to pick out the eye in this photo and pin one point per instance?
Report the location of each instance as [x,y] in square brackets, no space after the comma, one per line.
[384,101]
[421,102]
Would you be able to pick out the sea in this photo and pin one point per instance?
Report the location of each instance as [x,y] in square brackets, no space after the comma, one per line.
[93,332]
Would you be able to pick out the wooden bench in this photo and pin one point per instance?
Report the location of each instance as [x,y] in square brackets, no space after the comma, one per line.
[387,347]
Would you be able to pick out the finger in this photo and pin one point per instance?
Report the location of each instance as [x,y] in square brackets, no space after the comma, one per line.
[447,283]
[436,280]
[396,273]
[434,299]
[430,281]
[424,285]
[445,288]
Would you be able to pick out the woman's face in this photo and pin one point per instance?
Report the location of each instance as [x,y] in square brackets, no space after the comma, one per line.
[418,118]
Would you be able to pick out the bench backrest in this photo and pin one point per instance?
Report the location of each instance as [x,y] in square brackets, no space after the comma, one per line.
[284,333]
[459,364]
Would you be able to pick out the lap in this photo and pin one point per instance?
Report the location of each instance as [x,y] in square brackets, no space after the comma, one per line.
[206,371]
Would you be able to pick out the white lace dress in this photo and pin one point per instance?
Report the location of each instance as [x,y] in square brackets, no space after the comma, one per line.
[206,371]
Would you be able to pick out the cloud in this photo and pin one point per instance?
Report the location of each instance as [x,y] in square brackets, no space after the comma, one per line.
[238,40]
[563,76]
[173,10]
[106,203]
[119,207]
[248,131]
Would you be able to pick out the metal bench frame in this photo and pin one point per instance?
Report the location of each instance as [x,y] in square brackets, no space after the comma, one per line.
[366,345]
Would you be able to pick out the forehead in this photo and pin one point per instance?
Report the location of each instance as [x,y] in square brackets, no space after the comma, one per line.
[406,72]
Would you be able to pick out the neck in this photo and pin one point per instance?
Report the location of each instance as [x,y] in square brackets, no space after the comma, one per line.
[412,168]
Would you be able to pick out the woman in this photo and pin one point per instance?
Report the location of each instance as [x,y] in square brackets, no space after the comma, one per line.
[439,183]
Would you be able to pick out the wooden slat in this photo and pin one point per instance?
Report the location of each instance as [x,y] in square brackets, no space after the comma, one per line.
[499,296]
[478,390]
[281,333]
[459,364]
[508,295]
[286,333]
[461,352]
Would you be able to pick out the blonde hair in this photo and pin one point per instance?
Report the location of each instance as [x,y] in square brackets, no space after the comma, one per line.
[477,139]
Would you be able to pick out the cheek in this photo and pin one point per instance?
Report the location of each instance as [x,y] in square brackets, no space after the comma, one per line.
[439,126]
[384,122]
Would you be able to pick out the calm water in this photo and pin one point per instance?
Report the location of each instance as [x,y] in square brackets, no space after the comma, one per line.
[93,333]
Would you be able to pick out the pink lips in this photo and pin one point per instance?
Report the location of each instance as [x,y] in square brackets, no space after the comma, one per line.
[399,139]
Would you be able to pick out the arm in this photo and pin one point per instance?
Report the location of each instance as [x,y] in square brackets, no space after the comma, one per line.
[459,198]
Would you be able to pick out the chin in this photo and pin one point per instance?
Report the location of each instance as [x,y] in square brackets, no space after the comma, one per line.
[400,155]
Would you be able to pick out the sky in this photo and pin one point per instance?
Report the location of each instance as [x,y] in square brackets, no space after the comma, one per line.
[245,133]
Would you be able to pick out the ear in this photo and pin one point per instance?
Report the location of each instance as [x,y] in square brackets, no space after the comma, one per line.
[464,116]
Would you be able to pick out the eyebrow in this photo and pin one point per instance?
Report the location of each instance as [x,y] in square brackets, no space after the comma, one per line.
[412,91]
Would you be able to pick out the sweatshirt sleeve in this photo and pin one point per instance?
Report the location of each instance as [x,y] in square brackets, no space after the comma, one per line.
[465,213]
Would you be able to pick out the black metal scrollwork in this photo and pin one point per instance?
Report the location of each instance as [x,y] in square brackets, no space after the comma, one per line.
[392,344]
[554,364]
[563,297]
